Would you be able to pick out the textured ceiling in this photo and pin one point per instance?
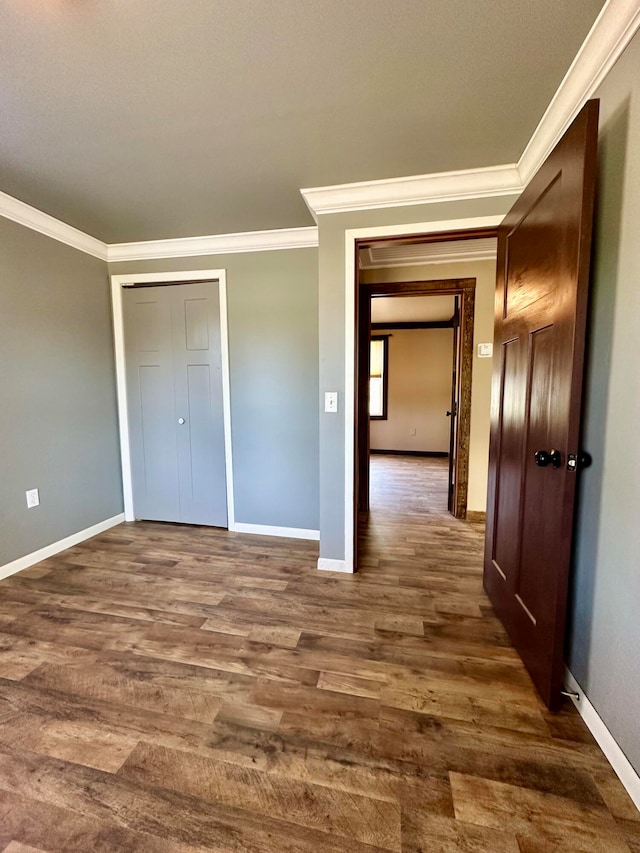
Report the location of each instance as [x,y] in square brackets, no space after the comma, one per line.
[145,119]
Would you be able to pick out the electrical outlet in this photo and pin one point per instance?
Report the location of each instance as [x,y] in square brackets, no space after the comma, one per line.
[33,498]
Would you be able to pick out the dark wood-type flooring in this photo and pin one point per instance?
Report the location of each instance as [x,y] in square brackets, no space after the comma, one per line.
[165,688]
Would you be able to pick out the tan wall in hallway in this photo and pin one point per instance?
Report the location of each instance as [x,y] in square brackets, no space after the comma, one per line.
[485,274]
[419,392]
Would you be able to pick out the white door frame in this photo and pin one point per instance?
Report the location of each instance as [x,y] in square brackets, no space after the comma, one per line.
[117,283]
[375,233]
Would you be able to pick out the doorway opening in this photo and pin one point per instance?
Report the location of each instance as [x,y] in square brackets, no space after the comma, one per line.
[413,409]
[384,413]
[414,355]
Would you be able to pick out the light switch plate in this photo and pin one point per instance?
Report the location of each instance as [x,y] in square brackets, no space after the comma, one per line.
[331,401]
[485,350]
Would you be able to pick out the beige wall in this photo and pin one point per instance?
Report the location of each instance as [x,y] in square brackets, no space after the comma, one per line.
[485,274]
[419,392]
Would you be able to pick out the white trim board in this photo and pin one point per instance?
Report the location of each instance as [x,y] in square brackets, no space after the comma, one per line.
[327,565]
[24,214]
[286,532]
[605,740]
[414,189]
[117,283]
[56,547]
[216,244]
[419,229]
[179,247]
[471,257]
[421,254]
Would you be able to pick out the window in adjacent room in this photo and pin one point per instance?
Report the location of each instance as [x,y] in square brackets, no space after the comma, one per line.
[378,377]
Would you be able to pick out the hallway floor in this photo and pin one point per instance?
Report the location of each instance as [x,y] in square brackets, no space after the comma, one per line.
[166,688]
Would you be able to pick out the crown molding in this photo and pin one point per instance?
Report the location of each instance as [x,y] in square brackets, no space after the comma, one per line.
[452,258]
[414,189]
[22,213]
[180,247]
[611,32]
[421,254]
[217,244]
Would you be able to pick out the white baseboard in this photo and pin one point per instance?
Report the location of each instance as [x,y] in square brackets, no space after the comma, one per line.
[326,565]
[286,532]
[605,740]
[55,548]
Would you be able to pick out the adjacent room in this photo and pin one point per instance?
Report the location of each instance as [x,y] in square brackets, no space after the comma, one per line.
[429,378]
[318,485]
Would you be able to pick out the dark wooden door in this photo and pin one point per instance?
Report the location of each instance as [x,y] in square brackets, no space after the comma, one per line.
[541,308]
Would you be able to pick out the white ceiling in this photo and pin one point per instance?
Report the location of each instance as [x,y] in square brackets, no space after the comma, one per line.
[401,309]
[146,119]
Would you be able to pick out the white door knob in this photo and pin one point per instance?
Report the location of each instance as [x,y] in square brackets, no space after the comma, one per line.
[180,420]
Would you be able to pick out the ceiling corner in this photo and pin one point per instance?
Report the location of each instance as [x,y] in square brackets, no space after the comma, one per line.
[24,214]
[611,32]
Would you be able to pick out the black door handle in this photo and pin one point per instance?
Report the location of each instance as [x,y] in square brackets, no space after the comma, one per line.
[448,414]
[552,458]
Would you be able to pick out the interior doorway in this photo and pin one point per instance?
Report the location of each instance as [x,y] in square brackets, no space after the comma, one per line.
[373,288]
[456,297]
[413,406]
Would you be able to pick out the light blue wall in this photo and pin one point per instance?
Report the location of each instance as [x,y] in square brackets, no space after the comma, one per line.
[604,643]
[273,352]
[58,425]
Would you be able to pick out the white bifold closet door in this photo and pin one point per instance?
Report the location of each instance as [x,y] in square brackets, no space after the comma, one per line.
[174,396]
